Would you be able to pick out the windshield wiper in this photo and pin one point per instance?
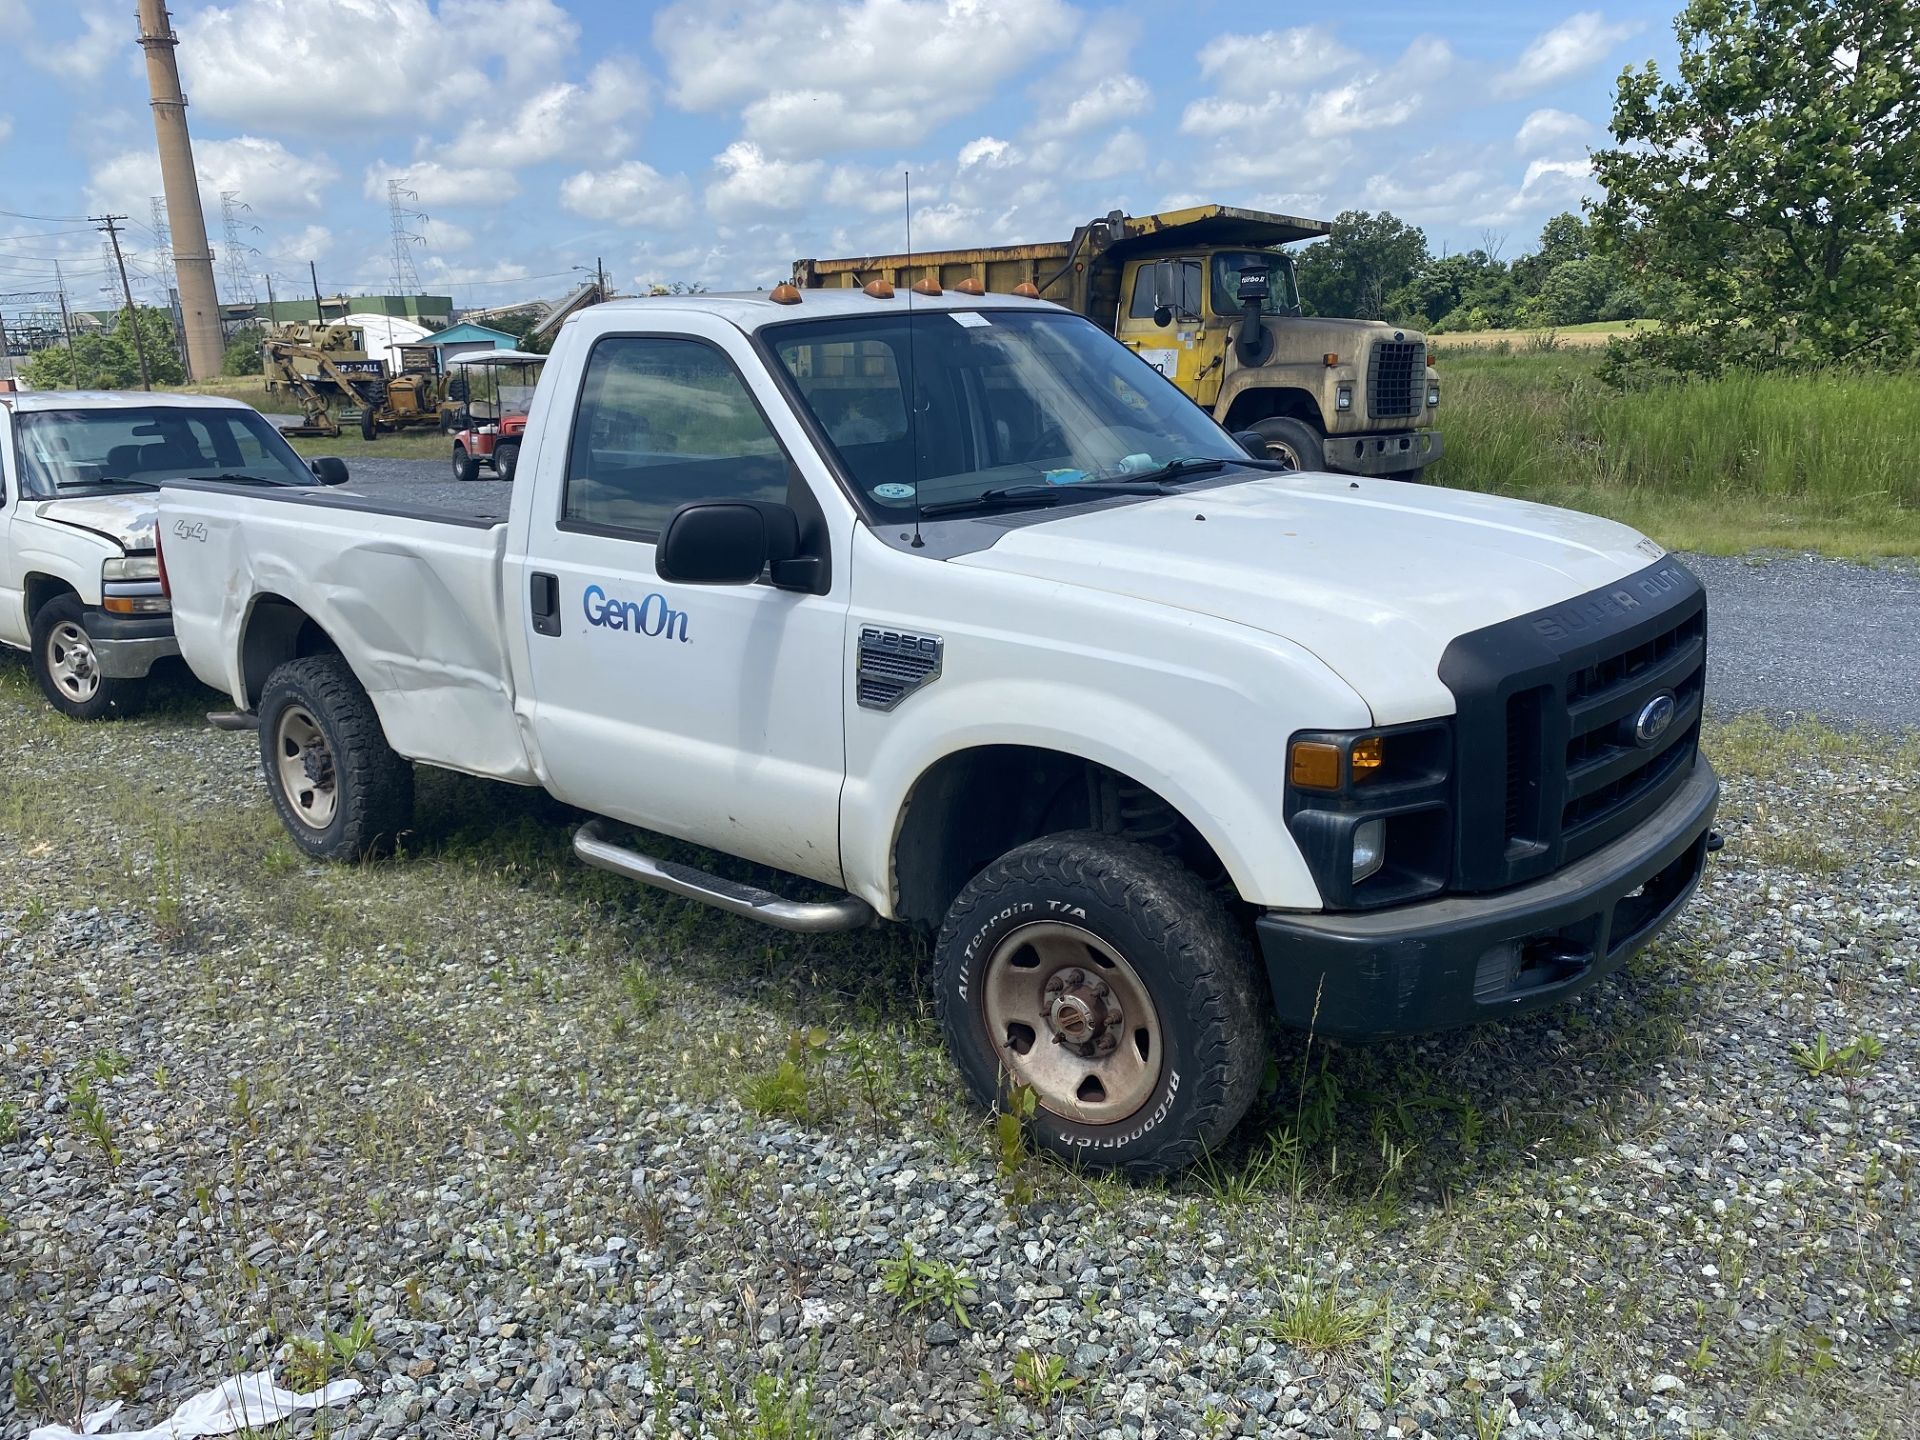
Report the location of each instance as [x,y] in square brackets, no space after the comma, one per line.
[105,480]
[237,475]
[1010,497]
[1203,465]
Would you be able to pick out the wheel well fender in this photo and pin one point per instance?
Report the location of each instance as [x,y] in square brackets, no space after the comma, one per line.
[972,806]
[276,631]
[41,589]
[1268,403]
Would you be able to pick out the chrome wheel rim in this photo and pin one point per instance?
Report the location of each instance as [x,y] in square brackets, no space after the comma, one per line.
[304,761]
[1071,1018]
[71,662]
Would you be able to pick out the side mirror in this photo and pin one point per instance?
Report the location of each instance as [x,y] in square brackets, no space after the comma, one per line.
[330,470]
[726,542]
[1163,315]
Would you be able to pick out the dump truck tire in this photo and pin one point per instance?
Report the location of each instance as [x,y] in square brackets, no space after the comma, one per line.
[1294,441]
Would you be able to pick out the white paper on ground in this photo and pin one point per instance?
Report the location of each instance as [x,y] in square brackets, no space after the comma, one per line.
[247,1403]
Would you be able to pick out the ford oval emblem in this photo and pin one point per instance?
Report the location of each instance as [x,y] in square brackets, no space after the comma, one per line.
[1654,718]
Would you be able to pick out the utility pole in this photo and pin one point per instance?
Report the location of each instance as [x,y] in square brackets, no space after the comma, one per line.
[6,350]
[109,224]
[314,275]
[272,318]
[66,324]
[600,279]
[192,257]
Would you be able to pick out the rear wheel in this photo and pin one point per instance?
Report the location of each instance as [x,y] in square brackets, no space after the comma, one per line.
[506,458]
[68,669]
[368,430]
[340,789]
[465,467]
[1108,979]
[1294,442]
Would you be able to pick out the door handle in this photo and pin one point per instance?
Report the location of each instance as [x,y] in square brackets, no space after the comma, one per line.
[544,596]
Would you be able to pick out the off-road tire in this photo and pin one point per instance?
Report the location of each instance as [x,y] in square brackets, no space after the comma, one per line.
[110,699]
[1195,961]
[465,467]
[1294,441]
[368,428]
[506,459]
[373,786]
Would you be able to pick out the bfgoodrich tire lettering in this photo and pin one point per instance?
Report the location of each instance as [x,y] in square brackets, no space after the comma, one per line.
[1117,901]
[340,789]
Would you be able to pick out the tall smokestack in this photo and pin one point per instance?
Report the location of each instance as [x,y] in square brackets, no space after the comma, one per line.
[192,260]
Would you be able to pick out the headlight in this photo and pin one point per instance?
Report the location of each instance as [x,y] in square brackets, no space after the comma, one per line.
[1433,394]
[131,567]
[1343,398]
[1372,811]
[130,585]
[1369,848]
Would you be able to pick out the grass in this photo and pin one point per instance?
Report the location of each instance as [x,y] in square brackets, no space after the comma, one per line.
[1594,334]
[1745,462]
[403,445]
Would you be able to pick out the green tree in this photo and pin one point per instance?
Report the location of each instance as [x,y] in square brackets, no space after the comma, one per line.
[1360,265]
[1773,180]
[107,360]
[242,356]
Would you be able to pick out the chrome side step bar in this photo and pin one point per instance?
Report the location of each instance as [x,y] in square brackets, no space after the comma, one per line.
[592,845]
[233,720]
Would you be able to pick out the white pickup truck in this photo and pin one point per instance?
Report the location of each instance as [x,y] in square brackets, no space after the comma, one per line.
[950,603]
[79,579]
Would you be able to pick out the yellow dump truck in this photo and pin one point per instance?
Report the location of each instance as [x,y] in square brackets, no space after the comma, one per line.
[1207,297]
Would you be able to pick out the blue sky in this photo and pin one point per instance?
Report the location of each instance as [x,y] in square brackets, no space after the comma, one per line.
[716,140]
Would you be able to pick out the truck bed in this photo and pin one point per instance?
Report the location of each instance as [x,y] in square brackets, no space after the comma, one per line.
[412,595]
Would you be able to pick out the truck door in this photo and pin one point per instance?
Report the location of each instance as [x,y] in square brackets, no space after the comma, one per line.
[710,713]
[13,600]
[1180,349]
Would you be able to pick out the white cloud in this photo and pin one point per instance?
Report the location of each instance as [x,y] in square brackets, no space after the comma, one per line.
[443,236]
[1549,129]
[813,78]
[872,190]
[1254,67]
[563,119]
[267,175]
[1377,98]
[633,193]
[1109,102]
[443,186]
[314,242]
[750,183]
[86,56]
[6,128]
[986,151]
[1576,43]
[319,64]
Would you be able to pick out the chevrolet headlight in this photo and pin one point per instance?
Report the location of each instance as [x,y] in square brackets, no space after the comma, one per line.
[131,567]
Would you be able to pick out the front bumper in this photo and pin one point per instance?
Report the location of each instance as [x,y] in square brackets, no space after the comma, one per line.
[1393,453]
[127,645]
[1465,958]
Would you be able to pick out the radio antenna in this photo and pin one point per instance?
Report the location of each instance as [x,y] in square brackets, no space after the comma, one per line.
[913,370]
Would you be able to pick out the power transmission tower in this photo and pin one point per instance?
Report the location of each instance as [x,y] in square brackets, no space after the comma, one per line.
[406,279]
[109,224]
[236,261]
[66,324]
[162,236]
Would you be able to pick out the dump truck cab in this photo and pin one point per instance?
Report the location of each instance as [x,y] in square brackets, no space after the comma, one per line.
[1207,297]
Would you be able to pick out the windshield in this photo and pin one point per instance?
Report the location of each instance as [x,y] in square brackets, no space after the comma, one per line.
[65,451]
[1283,297]
[1001,398]
[495,390]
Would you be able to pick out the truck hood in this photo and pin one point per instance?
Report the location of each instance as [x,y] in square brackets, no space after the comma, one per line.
[1374,577]
[127,520]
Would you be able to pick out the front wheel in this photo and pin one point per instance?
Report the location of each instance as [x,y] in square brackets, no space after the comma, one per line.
[506,457]
[340,789]
[68,669]
[465,467]
[1294,443]
[1108,979]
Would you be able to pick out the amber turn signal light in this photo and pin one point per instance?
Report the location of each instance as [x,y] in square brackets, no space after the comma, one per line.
[1331,359]
[1368,756]
[1314,765]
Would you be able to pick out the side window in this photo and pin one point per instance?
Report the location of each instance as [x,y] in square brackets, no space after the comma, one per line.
[662,422]
[1142,306]
[1186,290]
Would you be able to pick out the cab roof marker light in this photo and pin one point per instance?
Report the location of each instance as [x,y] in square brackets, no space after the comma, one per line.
[970,286]
[878,289]
[926,285]
[785,293]
[1027,290]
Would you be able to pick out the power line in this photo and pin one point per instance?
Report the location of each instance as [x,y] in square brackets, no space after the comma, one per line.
[50,219]
[107,223]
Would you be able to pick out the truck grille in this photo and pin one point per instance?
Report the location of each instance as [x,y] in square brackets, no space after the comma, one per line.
[1550,763]
[1396,378]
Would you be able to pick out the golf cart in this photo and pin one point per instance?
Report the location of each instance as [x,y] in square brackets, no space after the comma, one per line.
[491,390]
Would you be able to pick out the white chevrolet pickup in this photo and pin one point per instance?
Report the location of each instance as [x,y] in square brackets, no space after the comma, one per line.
[79,578]
[952,604]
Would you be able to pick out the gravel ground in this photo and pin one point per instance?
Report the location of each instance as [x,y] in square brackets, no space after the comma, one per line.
[1793,636]
[534,1153]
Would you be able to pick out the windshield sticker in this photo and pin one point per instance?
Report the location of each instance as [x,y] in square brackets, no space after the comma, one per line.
[1064,477]
[893,490]
[970,318]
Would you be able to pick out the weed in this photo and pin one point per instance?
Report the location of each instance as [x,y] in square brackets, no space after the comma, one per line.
[1043,1379]
[308,1364]
[1822,1058]
[9,1122]
[790,1091]
[643,992]
[1315,1318]
[350,1344]
[523,1117]
[88,1115]
[915,1281]
[1010,1147]
[774,1408]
